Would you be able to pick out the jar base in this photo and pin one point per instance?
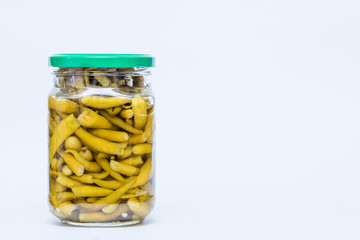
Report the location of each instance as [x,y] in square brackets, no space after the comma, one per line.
[102,224]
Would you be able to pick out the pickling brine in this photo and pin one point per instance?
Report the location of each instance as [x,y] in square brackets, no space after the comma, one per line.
[101,135]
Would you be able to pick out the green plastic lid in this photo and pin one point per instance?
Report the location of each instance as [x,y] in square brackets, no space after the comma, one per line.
[102,60]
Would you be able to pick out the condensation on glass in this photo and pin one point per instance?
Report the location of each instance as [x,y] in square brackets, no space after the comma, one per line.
[101,154]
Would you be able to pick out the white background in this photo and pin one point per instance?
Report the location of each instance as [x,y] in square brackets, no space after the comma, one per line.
[258,115]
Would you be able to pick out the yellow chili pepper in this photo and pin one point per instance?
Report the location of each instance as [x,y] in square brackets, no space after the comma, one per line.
[149,126]
[133,161]
[124,169]
[123,145]
[86,154]
[90,191]
[59,163]
[110,208]
[62,114]
[111,135]
[141,209]
[141,138]
[103,217]
[65,196]
[106,166]
[56,187]
[103,80]
[134,190]
[127,113]
[52,181]
[56,117]
[137,138]
[129,122]
[120,123]
[53,199]
[91,199]
[62,131]
[103,155]
[68,182]
[52,124]
[66,170]
[140,112]
[55,173]
[66,203]
[89,166]
[110,184]
[59,187]
[86,207]
[86,76]
[144,174]
[73,142]
[79,80]
[90,119]
[63,105]
[133,195]
[101,175]
[113,111]
[115,196]
[53,163]
[127,153]
[74,165]
[99,144]
[66,208]
[104,102]
[142,148]
[86,178]
[144,198]
[88,147]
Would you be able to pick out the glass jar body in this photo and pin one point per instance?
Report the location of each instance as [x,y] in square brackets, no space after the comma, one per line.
[101,163]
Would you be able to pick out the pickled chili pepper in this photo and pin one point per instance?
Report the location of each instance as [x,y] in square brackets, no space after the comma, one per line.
[63,105]
[97,143]
[90,119]
[62,131]
[120,123]
[104,102]
[140,112]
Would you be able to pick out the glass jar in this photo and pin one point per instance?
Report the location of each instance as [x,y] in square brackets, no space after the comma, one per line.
[101,127]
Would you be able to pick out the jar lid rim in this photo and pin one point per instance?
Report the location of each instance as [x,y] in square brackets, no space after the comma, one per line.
[101,60]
